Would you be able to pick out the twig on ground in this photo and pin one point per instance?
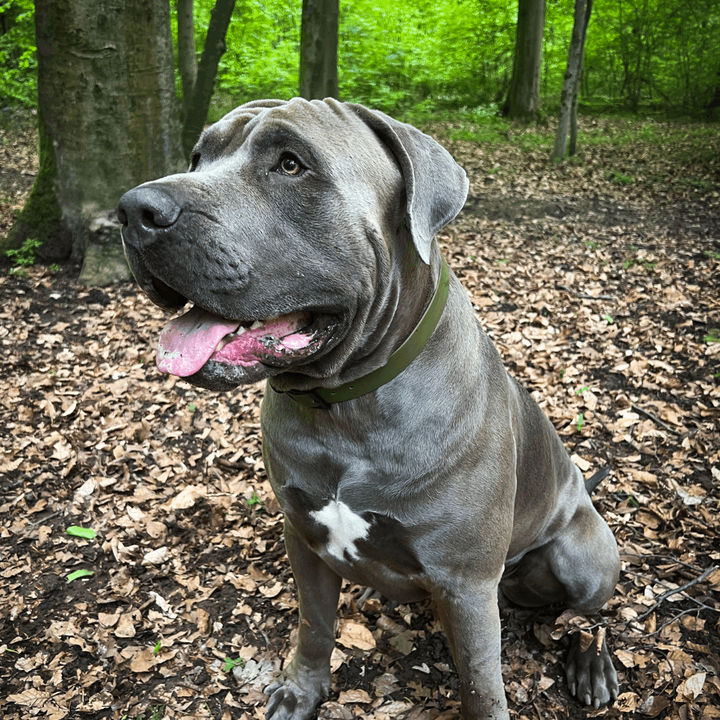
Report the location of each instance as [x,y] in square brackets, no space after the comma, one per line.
[43,519]
[670,622]
[655,419]
[658,581]
[664,557]
[680,589]
[584,296]
[626,438]
[254,627]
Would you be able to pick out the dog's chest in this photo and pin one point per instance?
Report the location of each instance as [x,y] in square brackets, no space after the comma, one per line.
[350,536]
[342,528]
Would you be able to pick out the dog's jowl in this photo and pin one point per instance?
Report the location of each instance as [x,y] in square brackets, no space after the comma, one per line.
[404,456]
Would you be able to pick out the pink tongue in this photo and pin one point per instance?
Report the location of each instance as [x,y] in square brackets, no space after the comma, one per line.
[187,342]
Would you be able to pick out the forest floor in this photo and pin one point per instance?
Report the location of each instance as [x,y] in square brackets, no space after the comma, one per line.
[599,282]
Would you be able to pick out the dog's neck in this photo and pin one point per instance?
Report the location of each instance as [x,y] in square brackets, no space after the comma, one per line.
[399,360]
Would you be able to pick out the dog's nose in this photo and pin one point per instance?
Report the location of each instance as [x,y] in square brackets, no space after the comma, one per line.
[147,210]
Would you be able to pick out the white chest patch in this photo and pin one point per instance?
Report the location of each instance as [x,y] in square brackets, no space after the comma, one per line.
[344,528]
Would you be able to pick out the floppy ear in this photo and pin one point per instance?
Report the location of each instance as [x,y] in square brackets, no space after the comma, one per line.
[435,185]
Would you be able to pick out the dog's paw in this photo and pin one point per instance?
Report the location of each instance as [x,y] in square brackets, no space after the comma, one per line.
[591,676]
[296,694]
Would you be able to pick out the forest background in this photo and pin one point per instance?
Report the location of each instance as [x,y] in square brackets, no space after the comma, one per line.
[417,58]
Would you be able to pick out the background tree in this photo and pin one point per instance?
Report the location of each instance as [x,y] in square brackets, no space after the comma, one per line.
[202,89]
[187,59]
[107,114]
[523,98]
[319,49]
[569,97]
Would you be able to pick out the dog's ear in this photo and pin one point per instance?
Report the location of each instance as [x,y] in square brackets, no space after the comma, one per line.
[436,186]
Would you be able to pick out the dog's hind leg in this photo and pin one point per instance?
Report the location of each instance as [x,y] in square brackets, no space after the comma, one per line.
[579,567]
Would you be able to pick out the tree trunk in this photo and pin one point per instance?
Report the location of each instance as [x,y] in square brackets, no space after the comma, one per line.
[187,61]
[107,115]
[207,70]
[572,143]
[319,49]
[569,96]
[523,98]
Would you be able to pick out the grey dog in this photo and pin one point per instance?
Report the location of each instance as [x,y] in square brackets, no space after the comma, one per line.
[403,455]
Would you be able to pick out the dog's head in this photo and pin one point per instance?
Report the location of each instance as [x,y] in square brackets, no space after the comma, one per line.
[287,233]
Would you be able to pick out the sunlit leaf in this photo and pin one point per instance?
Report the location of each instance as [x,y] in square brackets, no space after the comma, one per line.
[79,574]
[87,533]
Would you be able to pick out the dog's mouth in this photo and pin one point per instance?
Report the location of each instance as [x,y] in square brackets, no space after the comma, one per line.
[221,353]
[188,342]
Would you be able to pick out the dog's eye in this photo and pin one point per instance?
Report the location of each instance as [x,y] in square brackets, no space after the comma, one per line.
[289,165]
[194,161]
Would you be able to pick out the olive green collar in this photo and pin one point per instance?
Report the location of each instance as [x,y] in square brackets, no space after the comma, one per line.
[397,362]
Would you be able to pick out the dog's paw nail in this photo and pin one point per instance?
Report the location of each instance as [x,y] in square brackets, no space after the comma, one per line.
[573,689]
[588,699]
[596,704]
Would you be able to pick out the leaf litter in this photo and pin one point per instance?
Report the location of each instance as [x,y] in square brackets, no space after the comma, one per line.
[601,295]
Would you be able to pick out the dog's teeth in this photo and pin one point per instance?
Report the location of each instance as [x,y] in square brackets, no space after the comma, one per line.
[256,325]
[229,338]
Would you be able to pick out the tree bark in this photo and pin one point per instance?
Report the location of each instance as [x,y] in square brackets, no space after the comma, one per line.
[187,60]
[319,49]
[107,114]
[571,84]
[523,99]
[207,70]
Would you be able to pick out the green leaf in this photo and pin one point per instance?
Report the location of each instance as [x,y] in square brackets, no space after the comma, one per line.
[254,500]
[231,664]
[79,574]
[87,533]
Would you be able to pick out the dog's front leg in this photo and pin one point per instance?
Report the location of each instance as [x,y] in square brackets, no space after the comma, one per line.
[471,620]
[306,680]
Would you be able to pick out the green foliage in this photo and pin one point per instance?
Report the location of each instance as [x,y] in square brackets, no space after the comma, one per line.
[653,53]
[79,574]
[263,52]
[416,58]
[81,532]
[619,178]
[17,53]
[229,665]
[24,256]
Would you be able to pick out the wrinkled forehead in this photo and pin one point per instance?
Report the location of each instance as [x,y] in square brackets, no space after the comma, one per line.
[328,128]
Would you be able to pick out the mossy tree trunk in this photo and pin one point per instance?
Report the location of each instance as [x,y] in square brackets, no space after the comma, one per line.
[108,115]
[319,49]
[523,99]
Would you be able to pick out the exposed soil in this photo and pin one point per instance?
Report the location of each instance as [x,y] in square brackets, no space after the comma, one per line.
[603,298]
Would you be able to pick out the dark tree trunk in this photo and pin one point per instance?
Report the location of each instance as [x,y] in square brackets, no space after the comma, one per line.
[523,98]
[187,61]
[107,114]
[198,106]
[571,84]
[319,48]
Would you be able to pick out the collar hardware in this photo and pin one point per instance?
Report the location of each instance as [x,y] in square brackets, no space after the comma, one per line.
[323,398]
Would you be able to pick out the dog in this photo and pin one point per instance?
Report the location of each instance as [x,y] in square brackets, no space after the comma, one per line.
[403,455]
